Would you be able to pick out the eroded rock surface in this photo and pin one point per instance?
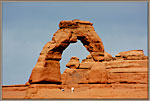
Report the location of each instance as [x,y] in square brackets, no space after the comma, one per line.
[111,70]
[75,76]
[107,56]
[47,67]
[98,73]
[82,91]
[87,63]
[73,63]
[132,55]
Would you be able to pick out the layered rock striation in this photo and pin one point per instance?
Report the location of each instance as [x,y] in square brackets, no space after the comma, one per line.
[127,67]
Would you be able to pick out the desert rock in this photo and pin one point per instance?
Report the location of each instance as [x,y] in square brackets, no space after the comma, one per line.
[132,55]
[75,76]
[73,63]
[98,73]
[107,56]
[68,33]
[87,63]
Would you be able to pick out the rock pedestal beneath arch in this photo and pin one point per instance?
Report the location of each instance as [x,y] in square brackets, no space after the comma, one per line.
[47,68]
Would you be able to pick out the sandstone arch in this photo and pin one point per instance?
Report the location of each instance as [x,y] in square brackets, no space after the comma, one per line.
[47,68]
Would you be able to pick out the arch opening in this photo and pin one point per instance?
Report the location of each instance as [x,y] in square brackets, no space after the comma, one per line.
[74,49]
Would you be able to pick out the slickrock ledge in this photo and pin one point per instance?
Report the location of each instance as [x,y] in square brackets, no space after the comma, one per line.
[82,91]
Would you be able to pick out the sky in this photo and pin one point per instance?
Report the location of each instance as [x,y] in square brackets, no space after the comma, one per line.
[28,26]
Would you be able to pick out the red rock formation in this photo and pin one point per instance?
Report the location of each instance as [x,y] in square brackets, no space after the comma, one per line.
[123,76]
[47,67]
[109,71]
[73,63]
[82,91]
[132,55]
[98,73]
[107,56]
[75,76]
[87,63]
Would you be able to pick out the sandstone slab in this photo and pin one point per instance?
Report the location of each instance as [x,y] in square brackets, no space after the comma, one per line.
[132,55]
[75,76]
[128,78]
[98,73]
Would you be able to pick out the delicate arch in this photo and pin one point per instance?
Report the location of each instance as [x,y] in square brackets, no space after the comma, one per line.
[47,67]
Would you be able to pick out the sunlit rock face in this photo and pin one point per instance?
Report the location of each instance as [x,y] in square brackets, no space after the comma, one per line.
[119,69]
[73,63]
[47,67]
[132,55]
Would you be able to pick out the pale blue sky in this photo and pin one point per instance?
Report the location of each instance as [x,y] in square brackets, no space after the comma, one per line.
[28,26]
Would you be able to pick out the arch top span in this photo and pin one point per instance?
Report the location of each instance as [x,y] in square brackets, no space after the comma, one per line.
[72,30]
[73,23]
[47,67]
